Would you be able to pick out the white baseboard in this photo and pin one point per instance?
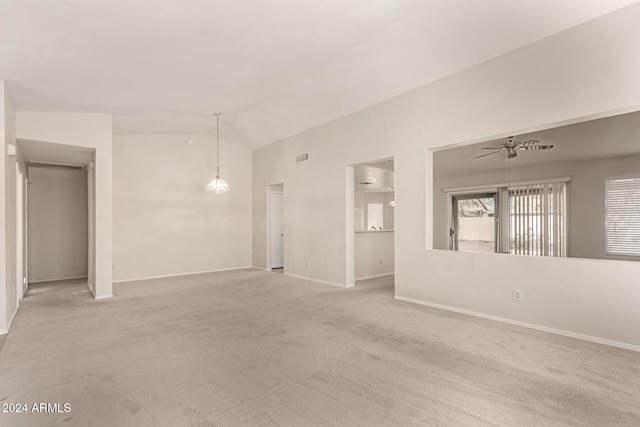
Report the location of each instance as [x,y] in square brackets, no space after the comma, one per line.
[57,280]
[90,290]
[13,316]
[325,282]
[191,273]
[261,268]
[590,338]
[99,296]
[374,276]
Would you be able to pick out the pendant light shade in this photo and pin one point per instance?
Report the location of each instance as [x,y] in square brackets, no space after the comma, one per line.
[217,185]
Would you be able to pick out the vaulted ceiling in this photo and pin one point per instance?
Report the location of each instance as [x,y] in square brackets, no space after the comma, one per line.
[273,68]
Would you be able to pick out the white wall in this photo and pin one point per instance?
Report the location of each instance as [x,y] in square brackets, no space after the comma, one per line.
[593,73]
[8,300]
[586,234]
[374,254]
[165,223]
[83,130]
[58,223]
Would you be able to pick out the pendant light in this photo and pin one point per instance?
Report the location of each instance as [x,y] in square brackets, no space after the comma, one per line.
[217,185]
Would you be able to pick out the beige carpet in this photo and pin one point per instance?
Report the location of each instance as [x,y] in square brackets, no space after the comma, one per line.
[258,348]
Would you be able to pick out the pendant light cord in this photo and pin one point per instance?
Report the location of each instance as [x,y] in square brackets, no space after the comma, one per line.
[217,145]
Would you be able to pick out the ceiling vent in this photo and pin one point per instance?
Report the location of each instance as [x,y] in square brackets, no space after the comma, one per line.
[36,164]
[302,157]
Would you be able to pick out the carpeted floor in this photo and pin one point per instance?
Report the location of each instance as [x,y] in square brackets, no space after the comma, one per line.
[256,348]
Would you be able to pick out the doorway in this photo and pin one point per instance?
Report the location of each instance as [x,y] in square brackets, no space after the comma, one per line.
[20,253]
[58,226]
[275,256]
[371,222]
[52,199]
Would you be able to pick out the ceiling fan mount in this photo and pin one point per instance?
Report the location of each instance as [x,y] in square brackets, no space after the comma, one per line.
[511,147]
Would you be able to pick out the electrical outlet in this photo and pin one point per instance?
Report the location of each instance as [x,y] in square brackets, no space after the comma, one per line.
[380,261]
[308,263]
[517,295]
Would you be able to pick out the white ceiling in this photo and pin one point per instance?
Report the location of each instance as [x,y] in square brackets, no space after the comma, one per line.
[273,68]
[375,177]
[38,151]
[603,138]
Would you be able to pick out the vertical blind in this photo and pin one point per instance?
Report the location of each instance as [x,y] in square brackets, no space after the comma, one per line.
[622,216]
[537,219]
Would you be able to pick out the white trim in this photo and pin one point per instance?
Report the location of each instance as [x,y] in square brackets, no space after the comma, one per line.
[260,268]
[374,276]
[493,187]
[311,279]
[91,290]
[13,316]
[583,337]
[99,296]
[182,274]
[57,280]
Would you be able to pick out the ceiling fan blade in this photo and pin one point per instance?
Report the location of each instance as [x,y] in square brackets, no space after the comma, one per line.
[537,147]
[492,148]
[528,143]
[488,154]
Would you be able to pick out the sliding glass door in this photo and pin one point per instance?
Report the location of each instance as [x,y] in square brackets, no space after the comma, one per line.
[474,222]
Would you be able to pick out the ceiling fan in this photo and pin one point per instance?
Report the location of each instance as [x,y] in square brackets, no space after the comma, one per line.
[511,147]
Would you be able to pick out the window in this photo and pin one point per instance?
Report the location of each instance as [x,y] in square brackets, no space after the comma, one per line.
[375,215]
[622,216]
[524,218]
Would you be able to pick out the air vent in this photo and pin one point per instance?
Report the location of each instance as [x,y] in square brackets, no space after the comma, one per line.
[35,164]
[365,183]
[302,157]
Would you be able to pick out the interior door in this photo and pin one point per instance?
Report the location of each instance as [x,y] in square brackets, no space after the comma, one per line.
[474,222]
[277,231]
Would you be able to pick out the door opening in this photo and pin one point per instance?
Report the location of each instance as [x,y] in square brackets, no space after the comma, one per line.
[276,227]
[370,220]
[58,222]
[20,276]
